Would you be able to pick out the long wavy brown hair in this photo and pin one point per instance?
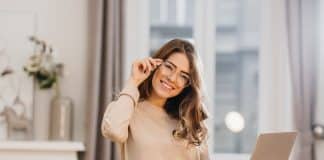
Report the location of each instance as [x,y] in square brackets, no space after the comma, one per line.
[187,106]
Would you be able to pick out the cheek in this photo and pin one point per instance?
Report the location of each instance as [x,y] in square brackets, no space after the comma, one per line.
[156,85]
[156,78]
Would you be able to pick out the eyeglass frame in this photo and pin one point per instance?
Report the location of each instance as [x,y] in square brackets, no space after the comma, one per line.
[177,75]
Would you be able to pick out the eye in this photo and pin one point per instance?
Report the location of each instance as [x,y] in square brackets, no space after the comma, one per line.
[185,77]
[168,66]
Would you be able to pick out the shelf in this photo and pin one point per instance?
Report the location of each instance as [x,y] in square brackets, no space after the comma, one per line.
[40,150]
[42,146]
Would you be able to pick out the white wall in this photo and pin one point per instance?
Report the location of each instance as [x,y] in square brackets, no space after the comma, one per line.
[64,24]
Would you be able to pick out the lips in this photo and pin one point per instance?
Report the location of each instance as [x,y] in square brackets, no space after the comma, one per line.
[166,85]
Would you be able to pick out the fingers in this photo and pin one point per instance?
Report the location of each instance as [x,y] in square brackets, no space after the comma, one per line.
[141,69]
[141,65]
[151,64]
[148,64]
[155,62]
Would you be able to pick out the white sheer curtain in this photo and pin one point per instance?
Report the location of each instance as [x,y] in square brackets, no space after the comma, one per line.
[275,80]
[302,50]
[287,71]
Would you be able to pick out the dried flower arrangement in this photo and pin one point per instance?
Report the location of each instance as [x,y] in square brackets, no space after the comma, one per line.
[41,65]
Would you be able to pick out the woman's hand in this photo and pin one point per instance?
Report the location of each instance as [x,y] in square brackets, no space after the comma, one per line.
[141,69]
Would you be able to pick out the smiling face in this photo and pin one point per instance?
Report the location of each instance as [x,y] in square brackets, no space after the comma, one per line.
[172,76]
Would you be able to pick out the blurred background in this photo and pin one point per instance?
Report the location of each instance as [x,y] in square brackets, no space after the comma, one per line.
[61,62]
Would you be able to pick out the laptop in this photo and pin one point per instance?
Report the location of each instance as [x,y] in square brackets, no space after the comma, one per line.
[274,146]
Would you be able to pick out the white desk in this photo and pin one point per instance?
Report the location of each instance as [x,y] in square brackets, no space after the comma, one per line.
[40,150]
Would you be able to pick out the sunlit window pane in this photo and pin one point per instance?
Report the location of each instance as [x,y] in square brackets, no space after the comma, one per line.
[236,69]
[170,19]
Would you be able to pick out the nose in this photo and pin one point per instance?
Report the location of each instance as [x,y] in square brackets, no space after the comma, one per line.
[172,77]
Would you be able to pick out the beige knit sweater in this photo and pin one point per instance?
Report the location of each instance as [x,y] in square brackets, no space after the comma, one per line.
[145,131]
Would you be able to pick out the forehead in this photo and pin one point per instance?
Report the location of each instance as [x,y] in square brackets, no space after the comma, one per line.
[180,60]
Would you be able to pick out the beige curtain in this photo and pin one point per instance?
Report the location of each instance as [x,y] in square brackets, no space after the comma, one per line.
[301,20]
[106,59]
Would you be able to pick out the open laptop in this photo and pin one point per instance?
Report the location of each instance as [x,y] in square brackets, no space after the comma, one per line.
[274,146]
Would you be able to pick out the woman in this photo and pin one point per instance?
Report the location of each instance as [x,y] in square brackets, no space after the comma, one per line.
[159,113]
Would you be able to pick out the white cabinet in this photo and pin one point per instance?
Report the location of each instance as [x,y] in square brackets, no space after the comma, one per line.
[40,150]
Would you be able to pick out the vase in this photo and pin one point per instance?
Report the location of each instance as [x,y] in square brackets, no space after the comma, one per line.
[61,114]
[41,113]
[61,118]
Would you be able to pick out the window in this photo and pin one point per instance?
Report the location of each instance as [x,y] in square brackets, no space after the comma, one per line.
[236,76]
[169,19]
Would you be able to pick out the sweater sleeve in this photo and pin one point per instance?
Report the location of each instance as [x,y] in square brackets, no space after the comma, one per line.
[118,114]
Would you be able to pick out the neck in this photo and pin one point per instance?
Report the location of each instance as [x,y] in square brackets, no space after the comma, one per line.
[157,101]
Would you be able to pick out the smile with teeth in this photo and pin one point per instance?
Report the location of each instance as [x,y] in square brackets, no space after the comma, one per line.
[166,85]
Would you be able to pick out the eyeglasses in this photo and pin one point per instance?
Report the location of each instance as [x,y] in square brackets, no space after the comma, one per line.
[182,79]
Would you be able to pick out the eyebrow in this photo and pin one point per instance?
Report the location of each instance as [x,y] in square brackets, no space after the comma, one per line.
[177,67]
